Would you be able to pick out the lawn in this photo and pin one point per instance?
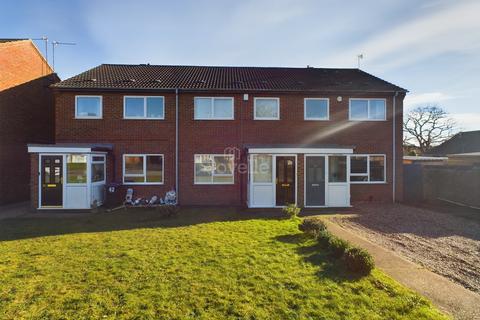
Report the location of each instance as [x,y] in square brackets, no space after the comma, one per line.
[138,266]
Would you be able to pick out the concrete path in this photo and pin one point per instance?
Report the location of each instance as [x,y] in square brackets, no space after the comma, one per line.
[449,297]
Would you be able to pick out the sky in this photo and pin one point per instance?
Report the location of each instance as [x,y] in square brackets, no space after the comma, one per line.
[431,47]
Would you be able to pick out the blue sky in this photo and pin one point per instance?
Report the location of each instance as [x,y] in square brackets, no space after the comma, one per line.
[430,47]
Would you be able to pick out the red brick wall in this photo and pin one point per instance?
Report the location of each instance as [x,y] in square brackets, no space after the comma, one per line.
[213,136]
[26,116]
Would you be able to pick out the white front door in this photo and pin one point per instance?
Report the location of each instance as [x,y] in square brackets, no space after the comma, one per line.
[262,186]
[338,168]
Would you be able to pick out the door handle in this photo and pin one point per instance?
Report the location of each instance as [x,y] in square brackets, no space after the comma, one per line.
[315,185]
[285,184]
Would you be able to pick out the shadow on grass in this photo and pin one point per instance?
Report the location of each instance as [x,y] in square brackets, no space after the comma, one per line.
[318,255]
[38,225]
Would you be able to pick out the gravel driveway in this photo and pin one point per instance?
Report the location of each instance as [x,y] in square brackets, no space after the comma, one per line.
[444,243]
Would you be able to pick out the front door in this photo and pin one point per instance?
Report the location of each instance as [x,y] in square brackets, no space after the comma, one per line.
[51,180]
[315,181]
[285,180]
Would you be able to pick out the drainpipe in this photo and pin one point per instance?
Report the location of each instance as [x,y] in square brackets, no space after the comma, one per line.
[176,145]
[394,166]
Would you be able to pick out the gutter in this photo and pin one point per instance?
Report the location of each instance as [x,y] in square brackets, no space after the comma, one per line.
[394,166]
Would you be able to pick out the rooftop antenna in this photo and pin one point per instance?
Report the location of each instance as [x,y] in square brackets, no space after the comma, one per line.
[359,57]
[56,43]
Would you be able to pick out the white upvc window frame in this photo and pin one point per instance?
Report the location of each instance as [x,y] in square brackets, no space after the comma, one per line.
[212,106]
[213,155]
[104,162]
[100,116]
[144,155]
[368,109]
[316,119]
[144,117]
[265,118]
[368,169]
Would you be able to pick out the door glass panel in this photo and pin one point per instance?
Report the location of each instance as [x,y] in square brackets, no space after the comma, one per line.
[46,175]
[98,172]
[76,168]
[337,169]
[57,174]
[262,168]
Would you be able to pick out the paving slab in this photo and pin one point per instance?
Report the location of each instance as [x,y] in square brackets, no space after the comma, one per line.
[448,296]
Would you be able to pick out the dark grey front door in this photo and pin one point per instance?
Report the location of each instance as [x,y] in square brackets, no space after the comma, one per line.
[315,181]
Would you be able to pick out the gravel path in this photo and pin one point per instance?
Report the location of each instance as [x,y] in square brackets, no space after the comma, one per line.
[443,243]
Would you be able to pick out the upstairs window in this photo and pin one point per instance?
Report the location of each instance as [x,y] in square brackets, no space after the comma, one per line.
[88,107]
[367,168]
[367,109]
[316,109]
[136,107]
[213,108]
[266,109]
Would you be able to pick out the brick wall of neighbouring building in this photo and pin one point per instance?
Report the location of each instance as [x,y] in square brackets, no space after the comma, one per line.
[213,136]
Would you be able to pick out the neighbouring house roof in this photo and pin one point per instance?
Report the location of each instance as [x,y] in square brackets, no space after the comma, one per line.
[462,142]
[145,77]
[20,62]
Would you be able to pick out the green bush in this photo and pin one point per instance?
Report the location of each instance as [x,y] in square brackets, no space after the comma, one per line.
[312,226]
[291,210]
[338,246]
[358,260]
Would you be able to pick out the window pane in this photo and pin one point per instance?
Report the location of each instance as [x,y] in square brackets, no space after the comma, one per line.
[358,178]
[97,158]
[203,169]
[223,164]
[155,107]
[203,108]
[358,164]
[134,107]
[358,109]
[134,165]
[377,109]
[154,169]
[337,169]
[98,172]
[316,109]
[76,168]
[262,168]
[134,179]
[88,106]
[223,179]
[223,108]
[377,168]
[266,108]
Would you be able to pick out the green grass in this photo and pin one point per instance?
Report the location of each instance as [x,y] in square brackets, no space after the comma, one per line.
[184,268]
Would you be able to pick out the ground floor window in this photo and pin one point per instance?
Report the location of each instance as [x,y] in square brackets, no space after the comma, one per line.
[367,168]
[214,169]
[143,168]
[76,168]
[98,169]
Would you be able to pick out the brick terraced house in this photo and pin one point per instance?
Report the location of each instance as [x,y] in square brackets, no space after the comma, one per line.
[26,113]
[241,136]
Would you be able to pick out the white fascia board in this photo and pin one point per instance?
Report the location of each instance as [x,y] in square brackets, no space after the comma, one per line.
[301,150]
[58,150]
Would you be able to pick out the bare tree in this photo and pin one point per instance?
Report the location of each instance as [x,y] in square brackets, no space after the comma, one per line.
[427,126]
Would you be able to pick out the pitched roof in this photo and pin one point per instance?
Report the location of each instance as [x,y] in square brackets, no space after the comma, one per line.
[145,76]
[462,142]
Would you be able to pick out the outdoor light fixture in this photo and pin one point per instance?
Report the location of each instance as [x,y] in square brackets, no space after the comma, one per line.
[245,97]
[339,98]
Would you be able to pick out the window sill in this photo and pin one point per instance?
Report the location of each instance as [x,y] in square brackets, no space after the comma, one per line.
[143,183]
[212,184]
[89,118]
[213,119]
[368,182]
[266,119]
[316,119]
[367,120]
[131,118]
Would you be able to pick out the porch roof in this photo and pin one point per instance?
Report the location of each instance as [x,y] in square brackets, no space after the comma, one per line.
[69,147]
[300,148]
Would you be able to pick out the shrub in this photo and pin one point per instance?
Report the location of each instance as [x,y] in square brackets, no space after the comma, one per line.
[312,226]
[358,260]
[291,210]
[338,246]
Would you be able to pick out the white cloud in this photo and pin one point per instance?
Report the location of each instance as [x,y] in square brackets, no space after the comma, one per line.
[467,121]
[415,99]
[450,29]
